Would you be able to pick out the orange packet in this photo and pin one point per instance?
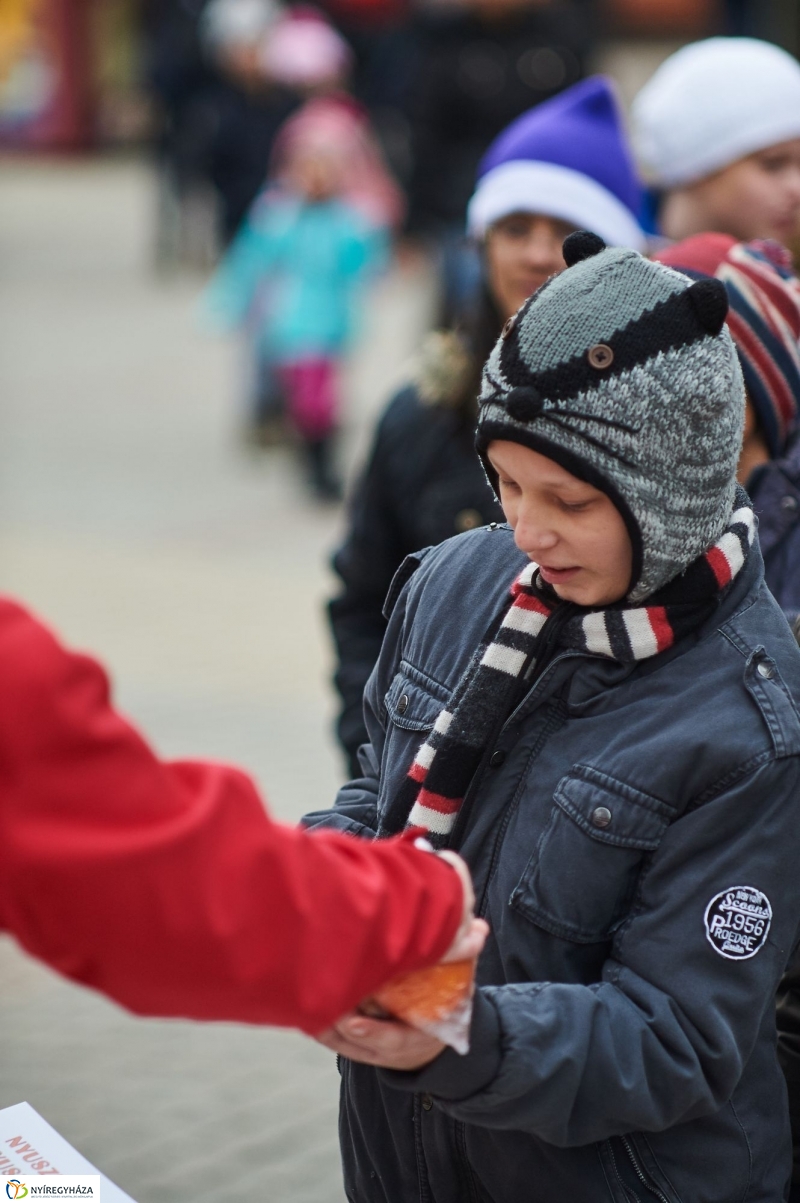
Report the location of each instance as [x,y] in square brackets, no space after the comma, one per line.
[437,1001]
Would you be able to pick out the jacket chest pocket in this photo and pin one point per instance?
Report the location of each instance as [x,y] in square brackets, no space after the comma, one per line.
[581,878]
[413,703]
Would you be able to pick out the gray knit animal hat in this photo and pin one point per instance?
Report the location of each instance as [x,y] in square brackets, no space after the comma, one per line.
[622,371]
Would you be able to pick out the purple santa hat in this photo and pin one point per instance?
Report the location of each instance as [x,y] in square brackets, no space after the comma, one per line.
[568,158]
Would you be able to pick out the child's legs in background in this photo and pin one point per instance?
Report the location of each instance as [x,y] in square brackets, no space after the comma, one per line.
[311,387]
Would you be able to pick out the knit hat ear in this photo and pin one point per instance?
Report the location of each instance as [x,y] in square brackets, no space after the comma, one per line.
[709,300]
[581,245]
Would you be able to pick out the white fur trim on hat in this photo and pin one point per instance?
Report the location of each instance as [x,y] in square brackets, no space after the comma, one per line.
[533,186]
[712,103]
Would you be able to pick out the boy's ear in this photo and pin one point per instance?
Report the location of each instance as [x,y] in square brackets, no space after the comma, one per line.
[709,299]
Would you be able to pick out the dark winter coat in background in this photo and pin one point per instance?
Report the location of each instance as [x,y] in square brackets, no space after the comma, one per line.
[619,1050]
[775,491]
[474,76]
[423,483]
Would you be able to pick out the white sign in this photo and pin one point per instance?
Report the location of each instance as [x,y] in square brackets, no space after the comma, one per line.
[33,1152]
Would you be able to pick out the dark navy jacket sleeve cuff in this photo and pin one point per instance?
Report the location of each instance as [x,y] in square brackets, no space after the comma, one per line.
[452,1076]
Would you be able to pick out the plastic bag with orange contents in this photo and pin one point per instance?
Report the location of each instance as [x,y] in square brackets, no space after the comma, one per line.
[437,1001]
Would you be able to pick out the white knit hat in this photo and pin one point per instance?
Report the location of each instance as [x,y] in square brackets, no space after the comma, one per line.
[227,23]
[712,103]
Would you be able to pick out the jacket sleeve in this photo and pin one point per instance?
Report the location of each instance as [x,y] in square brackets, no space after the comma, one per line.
[366,562]
[167,886]
[664,1037]
[232,290]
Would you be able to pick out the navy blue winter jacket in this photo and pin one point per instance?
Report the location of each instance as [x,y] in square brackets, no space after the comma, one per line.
[623,1040]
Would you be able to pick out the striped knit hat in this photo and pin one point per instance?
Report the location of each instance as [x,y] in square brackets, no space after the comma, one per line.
[763,318]
[622,371]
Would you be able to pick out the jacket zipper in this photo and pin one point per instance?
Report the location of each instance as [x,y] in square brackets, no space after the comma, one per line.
[625,1190]
[640,1174]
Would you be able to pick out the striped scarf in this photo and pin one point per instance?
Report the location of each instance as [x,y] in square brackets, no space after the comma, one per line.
[447,761]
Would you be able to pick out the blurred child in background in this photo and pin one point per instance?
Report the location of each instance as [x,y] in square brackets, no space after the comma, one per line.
[294,273]
[764,321]
[717,130]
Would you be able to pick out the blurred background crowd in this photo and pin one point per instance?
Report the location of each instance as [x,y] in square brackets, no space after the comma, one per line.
[157,159]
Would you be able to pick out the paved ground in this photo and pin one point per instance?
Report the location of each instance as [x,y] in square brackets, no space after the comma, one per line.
[131,518]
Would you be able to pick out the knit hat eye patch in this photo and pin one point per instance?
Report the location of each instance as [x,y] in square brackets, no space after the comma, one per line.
[682,319]
[525,403]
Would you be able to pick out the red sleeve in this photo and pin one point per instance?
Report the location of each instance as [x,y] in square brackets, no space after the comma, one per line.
[167,886]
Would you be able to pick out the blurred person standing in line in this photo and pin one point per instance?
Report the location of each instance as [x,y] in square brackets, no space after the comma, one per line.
[249,106]
[562,166]
[295,274]
[480,64]
[218,118]
[182,83]
[764,322]
[717,132]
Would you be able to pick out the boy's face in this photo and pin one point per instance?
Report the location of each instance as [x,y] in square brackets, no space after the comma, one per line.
[756,197]
[570,529]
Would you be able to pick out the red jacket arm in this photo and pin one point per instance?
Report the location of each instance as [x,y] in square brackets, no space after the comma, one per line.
[167,885]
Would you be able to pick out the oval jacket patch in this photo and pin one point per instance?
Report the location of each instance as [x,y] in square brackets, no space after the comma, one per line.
[738,922]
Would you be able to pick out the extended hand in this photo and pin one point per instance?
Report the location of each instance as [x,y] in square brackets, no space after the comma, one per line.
[380,1042]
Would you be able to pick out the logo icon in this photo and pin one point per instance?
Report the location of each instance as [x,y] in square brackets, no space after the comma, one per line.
[16,1189]
[738,922]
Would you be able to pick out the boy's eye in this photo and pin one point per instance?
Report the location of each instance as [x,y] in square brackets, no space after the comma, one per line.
[575,507]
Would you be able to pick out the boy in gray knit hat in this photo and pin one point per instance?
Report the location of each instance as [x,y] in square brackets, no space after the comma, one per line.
[623,372]
[595,704]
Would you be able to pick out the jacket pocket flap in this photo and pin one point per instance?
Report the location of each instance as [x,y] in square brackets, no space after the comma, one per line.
[611,811]
[410,705]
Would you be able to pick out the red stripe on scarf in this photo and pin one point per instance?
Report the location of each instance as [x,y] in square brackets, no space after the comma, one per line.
[418,772]
[665,636]
[718,563]
[526,601]
[438,802]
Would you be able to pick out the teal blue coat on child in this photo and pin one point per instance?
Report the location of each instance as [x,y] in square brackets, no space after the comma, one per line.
[293,276]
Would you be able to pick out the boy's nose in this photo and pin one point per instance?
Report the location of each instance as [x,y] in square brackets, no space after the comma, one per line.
[533,538]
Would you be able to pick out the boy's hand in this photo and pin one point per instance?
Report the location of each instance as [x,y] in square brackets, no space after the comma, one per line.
[393,1045]
[381,1042]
